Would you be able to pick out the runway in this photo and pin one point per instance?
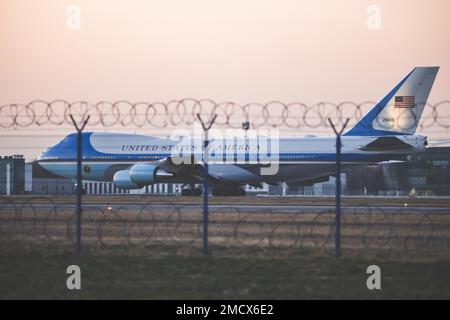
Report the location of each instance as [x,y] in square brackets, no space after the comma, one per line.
[239,207]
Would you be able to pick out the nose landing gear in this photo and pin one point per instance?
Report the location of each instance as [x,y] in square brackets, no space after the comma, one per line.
[192,191]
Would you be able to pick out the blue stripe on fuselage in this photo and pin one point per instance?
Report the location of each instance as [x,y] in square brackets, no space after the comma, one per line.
[283,157]
[66,151]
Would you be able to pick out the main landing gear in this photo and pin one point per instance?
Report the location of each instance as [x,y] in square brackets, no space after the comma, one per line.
[228,192]
[192,191]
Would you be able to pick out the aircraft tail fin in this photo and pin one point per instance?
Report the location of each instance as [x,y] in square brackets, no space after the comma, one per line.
[399,112]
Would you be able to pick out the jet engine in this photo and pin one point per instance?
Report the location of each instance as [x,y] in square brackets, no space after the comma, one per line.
[145,174]
[122,180]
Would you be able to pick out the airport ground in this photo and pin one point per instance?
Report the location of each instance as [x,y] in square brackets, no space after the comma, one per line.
[248,200]
[160,268]
[160,273]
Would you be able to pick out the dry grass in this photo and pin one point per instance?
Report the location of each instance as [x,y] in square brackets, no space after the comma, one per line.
[406,235]
[155,253]
[248,200]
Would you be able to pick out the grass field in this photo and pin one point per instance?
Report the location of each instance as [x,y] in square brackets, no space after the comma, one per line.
[404,234]
[161,273]
[156,254]
[248,200]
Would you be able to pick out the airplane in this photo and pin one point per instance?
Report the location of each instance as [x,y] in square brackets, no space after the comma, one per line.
[132,161]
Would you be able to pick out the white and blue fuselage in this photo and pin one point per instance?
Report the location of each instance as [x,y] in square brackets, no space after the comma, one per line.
[298,159]
[386,133]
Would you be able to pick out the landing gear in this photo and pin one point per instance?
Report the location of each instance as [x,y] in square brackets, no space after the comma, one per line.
[229,192]
[79,190]
[191,192]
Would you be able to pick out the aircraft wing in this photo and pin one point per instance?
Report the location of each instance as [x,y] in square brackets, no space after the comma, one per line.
[189,169]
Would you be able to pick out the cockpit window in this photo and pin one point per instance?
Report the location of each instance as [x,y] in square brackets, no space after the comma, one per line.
[66,138]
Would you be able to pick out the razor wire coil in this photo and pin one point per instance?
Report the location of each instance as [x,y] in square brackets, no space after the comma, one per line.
[158,115]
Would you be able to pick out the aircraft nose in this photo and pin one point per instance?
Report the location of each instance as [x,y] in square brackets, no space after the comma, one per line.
[41,157]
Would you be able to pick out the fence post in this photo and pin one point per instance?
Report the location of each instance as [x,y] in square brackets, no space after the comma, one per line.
[206,127]
[337,237]
[79,188]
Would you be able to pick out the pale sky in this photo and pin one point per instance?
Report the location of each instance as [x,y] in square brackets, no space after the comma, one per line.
[251,50]
[238,50]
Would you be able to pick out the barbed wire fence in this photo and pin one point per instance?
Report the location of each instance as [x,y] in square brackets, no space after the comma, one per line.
[367,231]
[158,115]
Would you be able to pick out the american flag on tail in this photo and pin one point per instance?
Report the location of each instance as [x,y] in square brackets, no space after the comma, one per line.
[405,101]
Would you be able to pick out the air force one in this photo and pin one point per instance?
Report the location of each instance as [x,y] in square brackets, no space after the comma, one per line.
[385,133]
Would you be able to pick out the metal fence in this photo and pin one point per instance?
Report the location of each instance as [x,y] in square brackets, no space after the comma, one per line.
[366,231]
